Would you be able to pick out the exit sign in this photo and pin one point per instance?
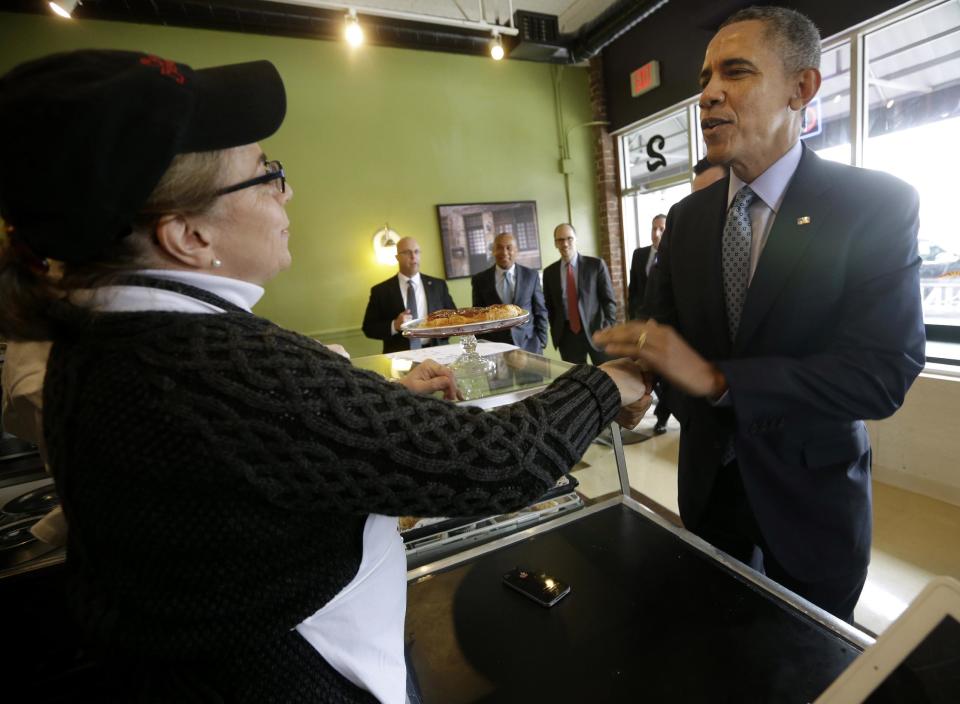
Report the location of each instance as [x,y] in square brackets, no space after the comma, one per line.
[645,78]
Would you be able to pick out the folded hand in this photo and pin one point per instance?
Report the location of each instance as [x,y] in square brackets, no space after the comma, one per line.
[430,376]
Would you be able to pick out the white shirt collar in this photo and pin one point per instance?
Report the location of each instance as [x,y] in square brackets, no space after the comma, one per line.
[240,293]
[771,185]
[139,298]
[404,279]
[573,260]
[503,272]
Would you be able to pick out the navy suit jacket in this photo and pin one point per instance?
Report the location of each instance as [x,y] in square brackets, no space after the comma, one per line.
[532,335]
[386,304]
[831,333]
[598,307]
[638,282]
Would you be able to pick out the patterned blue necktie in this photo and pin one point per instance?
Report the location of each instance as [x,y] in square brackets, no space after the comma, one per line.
[737,237]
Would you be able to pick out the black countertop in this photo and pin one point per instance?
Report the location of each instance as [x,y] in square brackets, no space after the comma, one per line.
[649,618]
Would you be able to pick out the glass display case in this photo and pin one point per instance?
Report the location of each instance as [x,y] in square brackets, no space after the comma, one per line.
[652,607]
[517,374]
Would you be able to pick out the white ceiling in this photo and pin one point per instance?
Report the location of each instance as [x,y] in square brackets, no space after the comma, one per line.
[572,14]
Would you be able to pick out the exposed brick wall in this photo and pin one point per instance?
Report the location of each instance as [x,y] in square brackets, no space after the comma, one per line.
[610,229]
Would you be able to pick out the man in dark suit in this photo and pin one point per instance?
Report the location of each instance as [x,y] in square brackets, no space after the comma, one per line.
[786,306]
[509,282]
[579,296]
[403,297]
[643,259]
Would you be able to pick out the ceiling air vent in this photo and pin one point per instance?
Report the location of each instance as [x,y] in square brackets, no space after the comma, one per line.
[539,38]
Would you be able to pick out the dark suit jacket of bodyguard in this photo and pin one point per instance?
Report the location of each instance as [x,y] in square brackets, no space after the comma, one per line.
[636,292]
[532,335]
[831,333]
[386,304]
[598,307]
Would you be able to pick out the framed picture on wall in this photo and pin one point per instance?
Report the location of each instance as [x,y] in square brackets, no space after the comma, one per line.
[467,231]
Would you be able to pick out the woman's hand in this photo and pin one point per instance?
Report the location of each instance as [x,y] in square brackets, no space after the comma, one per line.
[660,349]
[632,379]
[630,416]
[429,376]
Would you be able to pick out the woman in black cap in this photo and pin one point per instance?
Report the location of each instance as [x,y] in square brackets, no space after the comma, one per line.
[228,483]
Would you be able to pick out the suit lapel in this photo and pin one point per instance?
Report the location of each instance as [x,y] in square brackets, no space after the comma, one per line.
[581,279]
[709,279]
[399,299]
[431,295]
[792,232]
[557,285]
[519,284]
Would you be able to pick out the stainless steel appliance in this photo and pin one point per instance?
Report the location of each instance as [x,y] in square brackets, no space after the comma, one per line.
[27,493]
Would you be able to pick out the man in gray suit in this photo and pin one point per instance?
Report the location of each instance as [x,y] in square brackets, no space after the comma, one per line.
[509,282]
[579,297]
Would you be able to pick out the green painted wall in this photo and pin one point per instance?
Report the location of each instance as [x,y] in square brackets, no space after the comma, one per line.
[375,135]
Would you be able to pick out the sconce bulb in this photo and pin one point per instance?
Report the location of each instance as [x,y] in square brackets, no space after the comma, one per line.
[496,47]
[353,31]
[64,8]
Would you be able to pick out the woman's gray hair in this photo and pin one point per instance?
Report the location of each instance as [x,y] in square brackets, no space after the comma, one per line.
[796,37]
[189,186]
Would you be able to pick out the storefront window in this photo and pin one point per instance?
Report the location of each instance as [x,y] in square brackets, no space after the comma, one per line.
[913,96]
[656,168]
[657,151]
[826,127]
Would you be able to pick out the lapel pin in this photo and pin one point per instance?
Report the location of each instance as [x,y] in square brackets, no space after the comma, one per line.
[804,220]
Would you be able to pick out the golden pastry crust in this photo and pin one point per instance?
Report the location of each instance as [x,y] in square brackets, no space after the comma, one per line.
[466,316]
[407,522]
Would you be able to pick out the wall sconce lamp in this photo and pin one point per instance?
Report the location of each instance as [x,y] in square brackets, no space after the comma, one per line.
[496,46]
[353,31]
[64,8]
[385,245]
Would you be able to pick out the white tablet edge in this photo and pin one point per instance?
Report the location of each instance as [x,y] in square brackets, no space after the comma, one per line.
[940,598]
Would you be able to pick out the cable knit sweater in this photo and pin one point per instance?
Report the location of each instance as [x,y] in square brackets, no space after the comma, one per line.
[217,470]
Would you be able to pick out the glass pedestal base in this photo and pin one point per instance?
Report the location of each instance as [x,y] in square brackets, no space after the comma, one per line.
[472,371]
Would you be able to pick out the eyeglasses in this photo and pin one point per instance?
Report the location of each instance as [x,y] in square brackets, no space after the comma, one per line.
[275,172]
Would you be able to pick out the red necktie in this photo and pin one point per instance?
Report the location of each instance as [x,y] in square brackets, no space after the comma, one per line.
[573,310]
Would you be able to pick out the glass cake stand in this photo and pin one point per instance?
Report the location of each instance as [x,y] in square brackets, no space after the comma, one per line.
[470,368]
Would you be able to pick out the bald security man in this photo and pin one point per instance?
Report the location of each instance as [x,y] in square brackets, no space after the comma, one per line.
[407,295]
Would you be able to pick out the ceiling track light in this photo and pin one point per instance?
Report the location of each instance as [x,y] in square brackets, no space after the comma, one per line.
[353,31]
[496,46]
[64,8]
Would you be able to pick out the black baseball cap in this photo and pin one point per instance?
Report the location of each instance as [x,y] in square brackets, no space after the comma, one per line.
[85,136]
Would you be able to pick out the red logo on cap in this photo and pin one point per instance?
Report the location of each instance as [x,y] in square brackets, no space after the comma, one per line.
[167,68]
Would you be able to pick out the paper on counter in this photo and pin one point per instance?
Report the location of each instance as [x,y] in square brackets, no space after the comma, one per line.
[447,354]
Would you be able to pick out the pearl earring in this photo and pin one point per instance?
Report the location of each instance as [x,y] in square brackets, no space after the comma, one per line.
[216,264]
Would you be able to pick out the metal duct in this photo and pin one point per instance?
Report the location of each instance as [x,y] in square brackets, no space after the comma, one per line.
[611,25]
